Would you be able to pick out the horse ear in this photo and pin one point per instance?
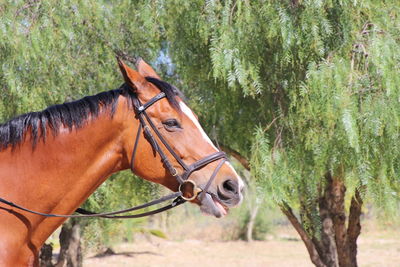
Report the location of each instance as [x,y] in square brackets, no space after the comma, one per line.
[131,77]
[145,70]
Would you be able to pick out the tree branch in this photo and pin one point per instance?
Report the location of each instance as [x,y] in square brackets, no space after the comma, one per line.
[314,256]
[244,161]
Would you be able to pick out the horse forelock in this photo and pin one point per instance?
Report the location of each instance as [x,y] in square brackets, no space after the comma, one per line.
[171,92]
[71,115]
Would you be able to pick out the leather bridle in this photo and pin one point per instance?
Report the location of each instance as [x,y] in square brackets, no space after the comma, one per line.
[188,190]
[183,179]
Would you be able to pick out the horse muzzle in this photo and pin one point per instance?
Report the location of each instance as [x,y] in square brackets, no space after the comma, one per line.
[227,194]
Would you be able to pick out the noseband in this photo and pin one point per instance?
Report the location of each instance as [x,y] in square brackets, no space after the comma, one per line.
[183,179]
[188,190]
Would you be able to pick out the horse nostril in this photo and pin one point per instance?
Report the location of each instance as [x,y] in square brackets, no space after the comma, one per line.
[229,192]
[230,186]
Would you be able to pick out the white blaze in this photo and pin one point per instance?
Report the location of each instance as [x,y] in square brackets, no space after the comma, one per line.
[191,116]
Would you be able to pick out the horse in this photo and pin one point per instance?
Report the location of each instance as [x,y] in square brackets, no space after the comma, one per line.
[52,160]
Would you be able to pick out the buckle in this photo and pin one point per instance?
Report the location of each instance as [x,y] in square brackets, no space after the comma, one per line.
[174,173]
[189,190]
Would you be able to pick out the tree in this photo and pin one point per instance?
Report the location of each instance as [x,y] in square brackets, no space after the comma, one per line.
[306,90]
[309,92]
[57,51]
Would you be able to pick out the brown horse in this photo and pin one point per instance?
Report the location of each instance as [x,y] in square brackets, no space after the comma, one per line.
[51,161]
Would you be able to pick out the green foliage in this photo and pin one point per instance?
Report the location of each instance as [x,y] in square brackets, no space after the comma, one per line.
[155,232]
[52,51]
[120,191]
[253,212]
[301,87]
[57,51]
[262,225]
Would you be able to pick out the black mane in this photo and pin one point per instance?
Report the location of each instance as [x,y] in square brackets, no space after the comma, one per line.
[72,114]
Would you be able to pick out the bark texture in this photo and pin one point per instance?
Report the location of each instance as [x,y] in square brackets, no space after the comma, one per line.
[70,241]
[354,228]
[327,250]
[334,198]
[337,244]
[45,257]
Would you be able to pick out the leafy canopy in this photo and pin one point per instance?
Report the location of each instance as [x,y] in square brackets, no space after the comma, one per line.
[301,87]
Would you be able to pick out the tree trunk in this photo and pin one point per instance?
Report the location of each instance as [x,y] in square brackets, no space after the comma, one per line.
[252,220]
[46,254]
[327,249]
[354,228]
[70,241]
[335,194]
[337,245]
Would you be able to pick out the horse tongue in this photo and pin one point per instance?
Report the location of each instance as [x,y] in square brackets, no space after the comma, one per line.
[211,207]
[222,209]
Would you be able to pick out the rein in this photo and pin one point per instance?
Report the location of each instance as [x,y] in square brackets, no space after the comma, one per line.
[188,190]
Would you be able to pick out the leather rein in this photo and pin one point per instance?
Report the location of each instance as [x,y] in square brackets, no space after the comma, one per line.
[188,190]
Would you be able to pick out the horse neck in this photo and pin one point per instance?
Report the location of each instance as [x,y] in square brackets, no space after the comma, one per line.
[60,173]
[69,166]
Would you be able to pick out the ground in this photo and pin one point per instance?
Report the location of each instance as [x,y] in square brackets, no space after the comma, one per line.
[376,248]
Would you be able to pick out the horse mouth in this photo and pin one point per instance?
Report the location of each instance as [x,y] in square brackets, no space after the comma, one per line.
[219,204]
[211,205]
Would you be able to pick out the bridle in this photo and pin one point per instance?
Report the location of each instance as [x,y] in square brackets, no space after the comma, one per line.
[187,191]
[183,179]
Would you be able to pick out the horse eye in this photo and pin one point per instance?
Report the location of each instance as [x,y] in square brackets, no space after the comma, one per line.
[172,123]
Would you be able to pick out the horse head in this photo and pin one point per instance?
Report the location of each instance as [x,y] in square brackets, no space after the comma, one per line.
[172,148]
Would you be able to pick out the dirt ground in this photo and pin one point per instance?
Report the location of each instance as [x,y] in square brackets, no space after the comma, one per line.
[377,248]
